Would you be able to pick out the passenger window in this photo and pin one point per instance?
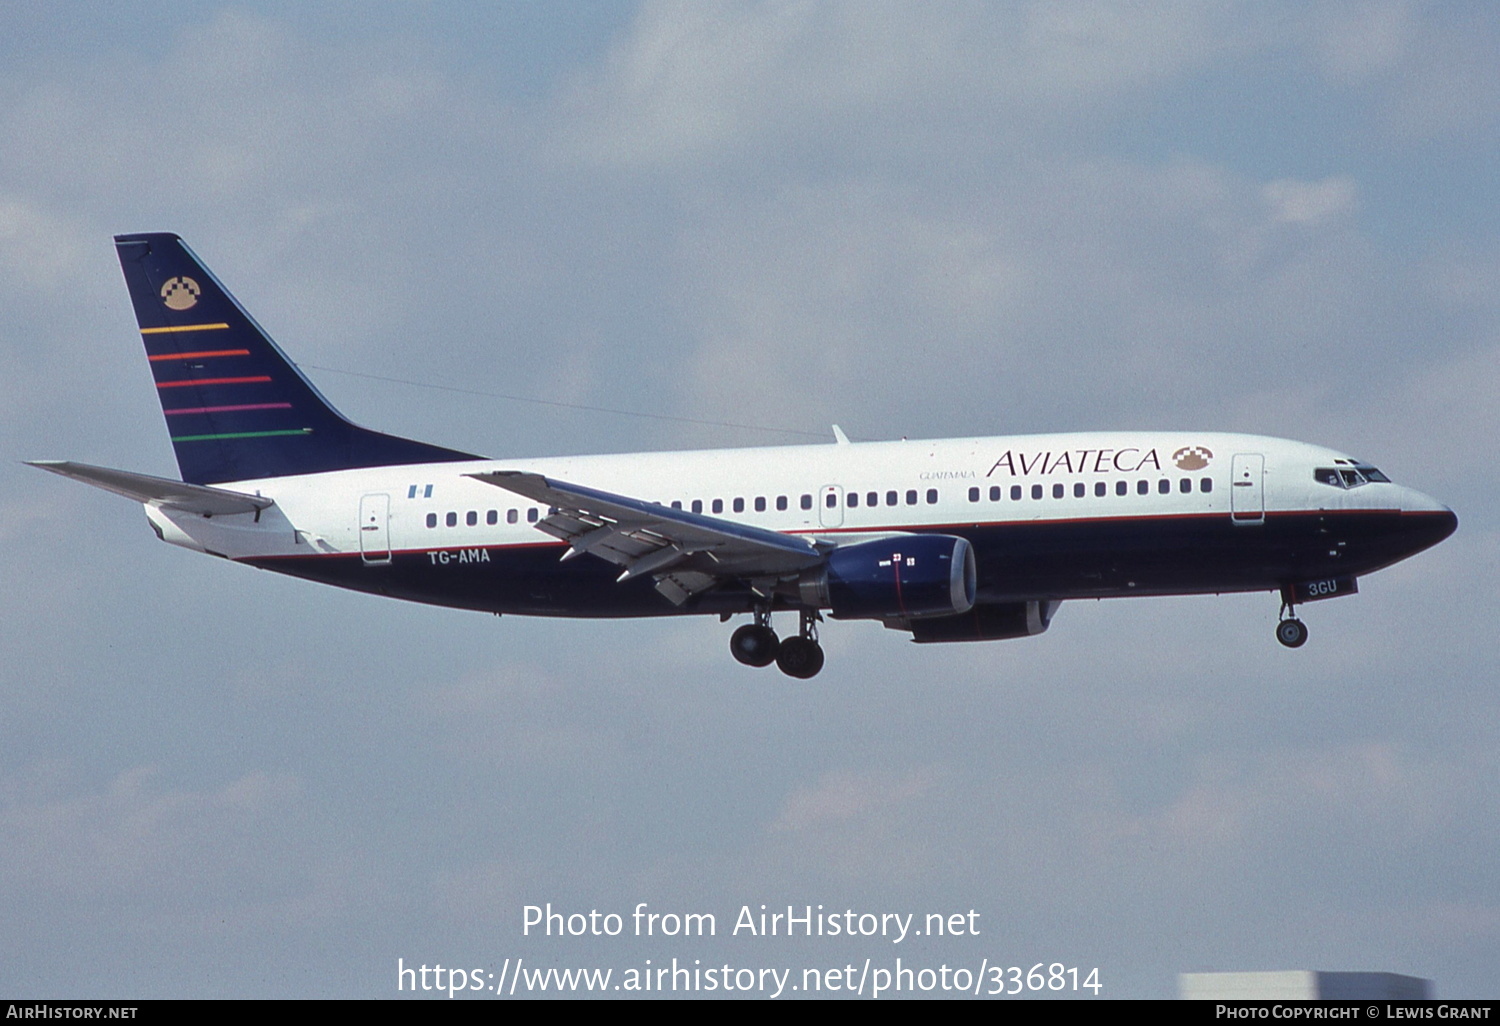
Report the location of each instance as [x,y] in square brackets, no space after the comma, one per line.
[718,506]
[891,498]
[1164,486]
[451,519]
[432,520]
[1143,488]
[872,499]
[1185,485]
[1015,493]
[532,515]
[739,505]
[472,518]
[994,493]
[676,503]
[781,502]
[1078,490]
[973,494]
[832,501]
[1122,487]
[807,502]
[1057,491]
[932,496]
[760,504]
[492,517]
[1206,485]
[1036,491]
[852,499]
[911,497]
[697,505]
[1099,489]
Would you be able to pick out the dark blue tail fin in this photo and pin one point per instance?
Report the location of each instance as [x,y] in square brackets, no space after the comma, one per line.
[237,409]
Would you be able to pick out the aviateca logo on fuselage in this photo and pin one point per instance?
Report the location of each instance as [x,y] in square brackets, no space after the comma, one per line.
[1076,461]
[1096,461]
[180,293]
[1192,457]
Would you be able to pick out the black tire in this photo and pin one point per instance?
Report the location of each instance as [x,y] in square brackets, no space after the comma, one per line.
[800,657]
[754,645]
[1291,633]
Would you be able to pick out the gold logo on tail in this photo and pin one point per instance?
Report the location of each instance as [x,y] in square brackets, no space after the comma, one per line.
[180,293]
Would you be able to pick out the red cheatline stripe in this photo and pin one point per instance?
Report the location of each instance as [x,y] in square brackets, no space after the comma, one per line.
[199,356]
[230,409]
[212,381]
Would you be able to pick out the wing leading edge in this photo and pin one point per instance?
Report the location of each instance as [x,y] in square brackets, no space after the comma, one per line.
[687,553]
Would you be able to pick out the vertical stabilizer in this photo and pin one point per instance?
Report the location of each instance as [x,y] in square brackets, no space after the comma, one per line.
[236,408]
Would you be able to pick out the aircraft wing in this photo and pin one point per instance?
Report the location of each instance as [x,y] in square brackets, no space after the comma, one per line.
[159,491]
[686,552]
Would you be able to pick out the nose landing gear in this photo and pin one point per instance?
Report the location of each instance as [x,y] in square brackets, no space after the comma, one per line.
[1290,631]
[756,644]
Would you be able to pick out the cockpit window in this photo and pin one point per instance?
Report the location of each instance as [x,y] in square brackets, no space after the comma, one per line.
[1349,477]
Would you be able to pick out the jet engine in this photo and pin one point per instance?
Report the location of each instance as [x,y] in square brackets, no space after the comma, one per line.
[904,577]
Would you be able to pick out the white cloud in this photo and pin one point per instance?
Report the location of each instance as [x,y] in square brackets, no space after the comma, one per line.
[1359,41]
[695,81]
[1105,286]
[843,795]
[134,838]
[1294,202]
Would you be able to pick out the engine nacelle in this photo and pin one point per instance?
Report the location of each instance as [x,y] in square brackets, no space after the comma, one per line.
[908,577]
[989,622]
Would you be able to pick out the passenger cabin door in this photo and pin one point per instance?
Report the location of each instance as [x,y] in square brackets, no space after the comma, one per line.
[375,529]
[1247,498]
[831,506]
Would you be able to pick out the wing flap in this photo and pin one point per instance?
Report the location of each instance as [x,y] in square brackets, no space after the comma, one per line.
[687,553]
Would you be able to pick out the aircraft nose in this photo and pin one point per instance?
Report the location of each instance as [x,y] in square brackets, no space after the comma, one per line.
[1426,520]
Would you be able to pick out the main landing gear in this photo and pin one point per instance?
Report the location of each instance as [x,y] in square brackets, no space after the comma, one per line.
[756,644]
[1290,631]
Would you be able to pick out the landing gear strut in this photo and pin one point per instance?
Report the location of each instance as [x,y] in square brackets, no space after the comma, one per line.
[802,656]
[1290,631]
[756,644]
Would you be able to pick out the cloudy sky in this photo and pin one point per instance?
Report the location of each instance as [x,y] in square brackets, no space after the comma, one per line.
[743,222]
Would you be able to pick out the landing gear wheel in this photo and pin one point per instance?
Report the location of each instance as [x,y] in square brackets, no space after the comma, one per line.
[800,657]
[1291,633]
[754,645]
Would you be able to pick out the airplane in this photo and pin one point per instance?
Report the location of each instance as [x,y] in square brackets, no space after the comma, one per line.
[970,539]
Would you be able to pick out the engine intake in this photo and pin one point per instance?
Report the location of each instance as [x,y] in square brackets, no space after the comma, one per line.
[907,577]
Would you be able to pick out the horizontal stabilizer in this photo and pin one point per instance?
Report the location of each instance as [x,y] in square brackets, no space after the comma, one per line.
[158,491]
